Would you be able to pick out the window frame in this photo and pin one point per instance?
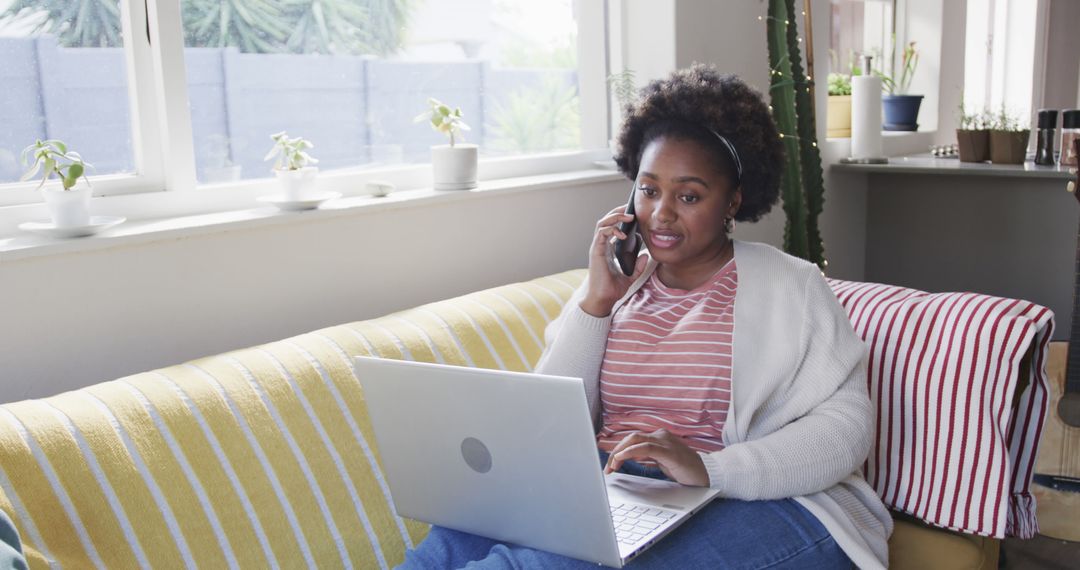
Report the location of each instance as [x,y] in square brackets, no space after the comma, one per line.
[163,144]
[146,156]
[996,65]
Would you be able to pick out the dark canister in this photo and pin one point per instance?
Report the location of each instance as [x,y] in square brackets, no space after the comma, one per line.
[1044,151]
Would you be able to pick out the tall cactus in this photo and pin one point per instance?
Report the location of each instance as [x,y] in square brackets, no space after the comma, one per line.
[802,186]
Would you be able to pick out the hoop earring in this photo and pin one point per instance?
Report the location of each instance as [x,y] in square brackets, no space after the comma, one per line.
[729,224]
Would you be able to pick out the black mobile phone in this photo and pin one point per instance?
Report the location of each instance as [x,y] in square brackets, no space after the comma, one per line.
[626,250]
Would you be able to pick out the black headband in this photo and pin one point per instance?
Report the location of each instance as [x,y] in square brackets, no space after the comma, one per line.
[734,156]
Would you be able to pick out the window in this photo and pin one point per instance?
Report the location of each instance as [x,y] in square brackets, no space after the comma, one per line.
[999,57]
[860,27]
[65,77]
[349,75]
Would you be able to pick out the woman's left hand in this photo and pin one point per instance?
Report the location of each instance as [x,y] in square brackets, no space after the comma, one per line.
[675,458]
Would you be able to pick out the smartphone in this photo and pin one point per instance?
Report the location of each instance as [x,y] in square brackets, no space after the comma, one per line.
[626,250]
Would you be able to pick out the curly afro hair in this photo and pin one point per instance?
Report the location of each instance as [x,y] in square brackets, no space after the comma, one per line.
[693,104]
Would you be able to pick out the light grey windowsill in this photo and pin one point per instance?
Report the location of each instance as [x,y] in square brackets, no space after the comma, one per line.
[22,245]
[926,164]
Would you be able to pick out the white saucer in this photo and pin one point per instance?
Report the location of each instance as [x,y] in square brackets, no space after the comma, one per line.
[309,203]
[97,224]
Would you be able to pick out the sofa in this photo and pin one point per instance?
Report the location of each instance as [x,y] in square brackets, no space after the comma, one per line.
[265,457]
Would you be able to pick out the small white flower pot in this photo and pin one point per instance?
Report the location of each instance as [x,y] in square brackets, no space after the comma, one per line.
[454,167]
[297,185]
[69,208]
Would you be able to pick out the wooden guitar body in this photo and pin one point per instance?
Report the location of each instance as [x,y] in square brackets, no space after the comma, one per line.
[1058,510]
[1057,469]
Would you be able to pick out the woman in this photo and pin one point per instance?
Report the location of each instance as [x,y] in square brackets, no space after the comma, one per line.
[717,362]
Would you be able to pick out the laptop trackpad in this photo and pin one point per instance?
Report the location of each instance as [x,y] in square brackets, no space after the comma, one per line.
[669,495]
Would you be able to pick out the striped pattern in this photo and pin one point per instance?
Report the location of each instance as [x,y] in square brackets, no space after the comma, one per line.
[667,364]
[959,382]
[259,458]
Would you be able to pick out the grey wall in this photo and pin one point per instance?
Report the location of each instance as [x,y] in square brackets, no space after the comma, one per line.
[1063,52]
[1010,237]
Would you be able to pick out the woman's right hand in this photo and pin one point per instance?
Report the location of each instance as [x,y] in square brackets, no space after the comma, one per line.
[607,284]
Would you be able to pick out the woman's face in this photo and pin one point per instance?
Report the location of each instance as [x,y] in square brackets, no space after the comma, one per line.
[681,202]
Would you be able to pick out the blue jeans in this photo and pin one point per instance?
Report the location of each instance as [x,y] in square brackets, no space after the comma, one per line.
[726,534]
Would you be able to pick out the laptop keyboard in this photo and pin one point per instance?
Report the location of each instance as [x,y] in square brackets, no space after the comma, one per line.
[634,523]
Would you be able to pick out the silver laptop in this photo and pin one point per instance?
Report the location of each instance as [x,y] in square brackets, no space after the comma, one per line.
[512,457]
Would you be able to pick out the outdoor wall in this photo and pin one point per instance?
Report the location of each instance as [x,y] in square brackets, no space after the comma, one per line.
[356,110]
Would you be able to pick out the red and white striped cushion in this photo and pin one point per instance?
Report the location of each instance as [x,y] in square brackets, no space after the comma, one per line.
[943,373]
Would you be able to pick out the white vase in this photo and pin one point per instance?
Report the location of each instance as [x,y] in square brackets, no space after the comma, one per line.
[296,185]
[69,208]
[454,167]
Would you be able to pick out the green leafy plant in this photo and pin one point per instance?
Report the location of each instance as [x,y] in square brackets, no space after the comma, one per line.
[443,119]
[839,84]
[359,27]
[53,157]
[622,84]
[254,26]
[289,153]
[802,183]
[76,23]
[894,85]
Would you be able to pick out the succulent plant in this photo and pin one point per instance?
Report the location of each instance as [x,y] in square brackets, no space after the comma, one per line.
[54,157]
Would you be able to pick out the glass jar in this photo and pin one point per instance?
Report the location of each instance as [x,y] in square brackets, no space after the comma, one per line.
[1070,131]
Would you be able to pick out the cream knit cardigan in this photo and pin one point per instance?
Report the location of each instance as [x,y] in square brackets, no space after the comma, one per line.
[800,425]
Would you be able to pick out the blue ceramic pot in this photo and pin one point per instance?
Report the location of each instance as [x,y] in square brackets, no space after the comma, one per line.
[901,112]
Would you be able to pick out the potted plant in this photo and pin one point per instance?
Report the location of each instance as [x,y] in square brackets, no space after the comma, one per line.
[838,118]
[1008,139]
[453,165]
[291,165]
[901,109]
[69,205]
[972,137]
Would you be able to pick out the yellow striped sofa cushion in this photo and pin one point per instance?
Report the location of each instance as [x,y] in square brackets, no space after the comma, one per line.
[258,458]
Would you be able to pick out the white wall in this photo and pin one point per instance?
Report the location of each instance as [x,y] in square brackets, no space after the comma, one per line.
[72,320]
[730,36]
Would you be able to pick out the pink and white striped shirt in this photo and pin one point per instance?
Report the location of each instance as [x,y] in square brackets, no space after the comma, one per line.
[668,363]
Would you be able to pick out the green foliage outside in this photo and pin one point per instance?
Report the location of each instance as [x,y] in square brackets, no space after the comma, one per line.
[542,118]
[357,27]
[526,54]
[77,23]
[523,52]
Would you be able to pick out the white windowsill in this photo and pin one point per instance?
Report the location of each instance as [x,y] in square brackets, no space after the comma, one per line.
[16,245]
